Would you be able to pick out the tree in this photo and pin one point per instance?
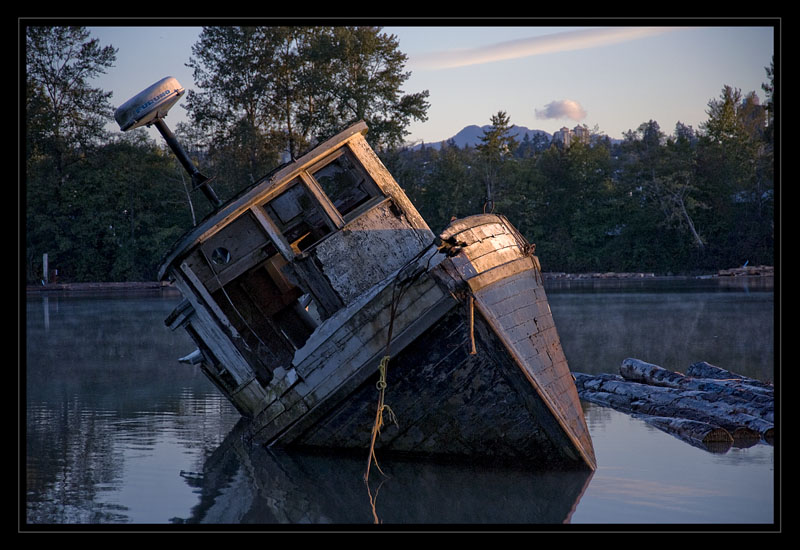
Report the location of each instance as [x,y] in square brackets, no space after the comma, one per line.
[358,75]
[497,142]
[769,107]
[265,92]
[577,207]
[675,187]
[662,170]
[65,119]
[234,104]
[65,115]
[736,171]
[496,145]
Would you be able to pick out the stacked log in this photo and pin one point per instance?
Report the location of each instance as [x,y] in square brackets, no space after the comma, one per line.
[708,406]
[748,270]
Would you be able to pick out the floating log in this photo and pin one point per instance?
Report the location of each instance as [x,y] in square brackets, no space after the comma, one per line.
[755,398]
[707,370]
[700,407]
[700,434]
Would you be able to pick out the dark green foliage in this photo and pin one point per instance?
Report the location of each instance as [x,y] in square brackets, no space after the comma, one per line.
[112,219]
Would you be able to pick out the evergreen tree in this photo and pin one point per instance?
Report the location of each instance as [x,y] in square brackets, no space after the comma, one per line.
[736,170]
[497,144]
[659,172]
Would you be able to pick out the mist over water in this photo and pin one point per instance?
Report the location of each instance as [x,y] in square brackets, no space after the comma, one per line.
[730,328]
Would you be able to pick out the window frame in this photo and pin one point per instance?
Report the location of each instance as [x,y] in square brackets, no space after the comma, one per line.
[376,194]
[333,218]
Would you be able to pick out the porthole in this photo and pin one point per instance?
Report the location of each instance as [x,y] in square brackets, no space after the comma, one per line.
[221,256]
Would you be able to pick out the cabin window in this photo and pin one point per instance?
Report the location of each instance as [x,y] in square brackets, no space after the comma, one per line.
[221,256]
[298,217]
[345,183]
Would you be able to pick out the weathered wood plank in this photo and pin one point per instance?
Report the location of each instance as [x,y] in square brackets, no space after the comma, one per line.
[548,372]
[367,251]
[212,317]
[372,337]
[495,274]
[489,245]
[447,402]
[384,180]
[272,231]
[464,225]
[336,392]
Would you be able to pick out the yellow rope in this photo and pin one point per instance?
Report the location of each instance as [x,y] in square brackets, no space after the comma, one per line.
[376,428]
[381,384]
[398,289]
[472,350]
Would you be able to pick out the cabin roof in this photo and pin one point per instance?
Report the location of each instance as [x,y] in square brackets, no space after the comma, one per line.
[234,207]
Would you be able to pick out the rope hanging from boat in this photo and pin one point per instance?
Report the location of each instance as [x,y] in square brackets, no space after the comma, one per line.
[382,407]
[381,384]
[402,282]
[471,300]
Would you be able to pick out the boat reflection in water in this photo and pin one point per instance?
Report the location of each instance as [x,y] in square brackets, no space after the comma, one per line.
[251,484]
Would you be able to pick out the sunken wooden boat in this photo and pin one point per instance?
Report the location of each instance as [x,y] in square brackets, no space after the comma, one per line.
[320,289]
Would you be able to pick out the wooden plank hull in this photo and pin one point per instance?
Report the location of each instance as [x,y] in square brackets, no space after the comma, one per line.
[450,402]
[490,382]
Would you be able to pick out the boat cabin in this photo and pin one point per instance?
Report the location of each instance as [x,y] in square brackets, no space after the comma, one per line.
[263,272]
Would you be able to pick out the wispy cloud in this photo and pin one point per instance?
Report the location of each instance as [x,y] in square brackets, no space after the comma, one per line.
[551,43]
[565,108]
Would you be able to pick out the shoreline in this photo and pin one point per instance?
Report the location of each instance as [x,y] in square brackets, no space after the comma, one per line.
[746,271]
[102,286]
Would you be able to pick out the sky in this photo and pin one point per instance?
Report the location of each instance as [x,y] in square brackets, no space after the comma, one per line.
[609,78]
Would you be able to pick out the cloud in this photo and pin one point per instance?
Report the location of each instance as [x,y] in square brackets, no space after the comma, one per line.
[565,108]
[526,47]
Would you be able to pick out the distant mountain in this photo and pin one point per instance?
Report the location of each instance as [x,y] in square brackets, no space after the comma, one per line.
[471,135]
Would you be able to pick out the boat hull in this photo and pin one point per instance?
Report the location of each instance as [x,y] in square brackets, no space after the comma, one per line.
[476,370]
[450,402]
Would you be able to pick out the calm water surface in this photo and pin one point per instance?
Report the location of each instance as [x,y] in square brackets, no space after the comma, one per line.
[119,433]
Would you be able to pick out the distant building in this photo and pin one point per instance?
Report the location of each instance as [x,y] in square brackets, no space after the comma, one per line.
[565,137]
[582,134]
[562,137]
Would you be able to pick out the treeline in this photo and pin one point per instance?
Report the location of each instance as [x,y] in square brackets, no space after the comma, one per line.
[687,202]
[106,206]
